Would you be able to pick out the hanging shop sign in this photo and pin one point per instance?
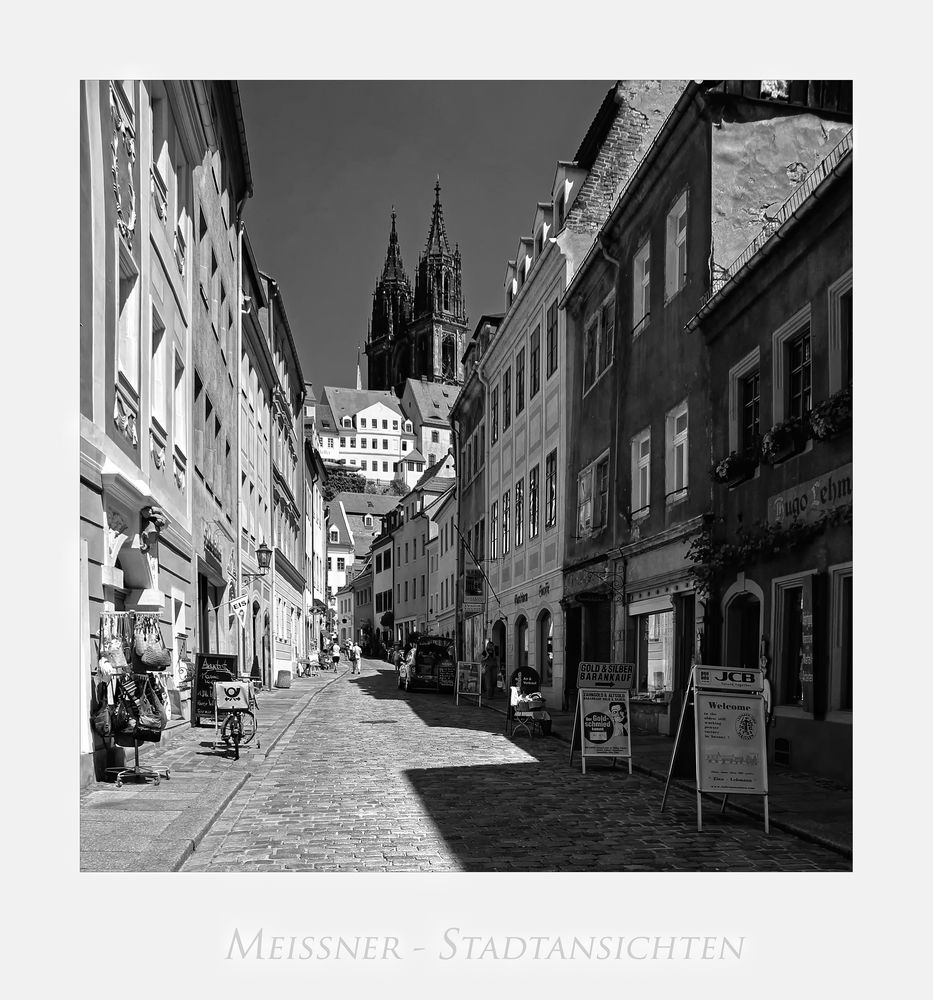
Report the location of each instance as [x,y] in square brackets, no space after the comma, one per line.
[238,607]
[208,669]
[616,676]
[730,749]
[468,681]
[601,721]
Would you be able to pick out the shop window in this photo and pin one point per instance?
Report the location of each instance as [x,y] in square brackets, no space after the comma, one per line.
[654,653]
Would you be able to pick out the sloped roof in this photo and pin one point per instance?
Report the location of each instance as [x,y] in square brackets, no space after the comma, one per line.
[324,418]
[377,504]
[433,399]
[432,480]
[337,518]
[413,456]
[349,402]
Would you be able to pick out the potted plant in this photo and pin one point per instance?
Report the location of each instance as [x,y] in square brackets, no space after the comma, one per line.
[784,439]
[832,416]
[734,468]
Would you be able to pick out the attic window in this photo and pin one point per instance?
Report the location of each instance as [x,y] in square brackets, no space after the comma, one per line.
[561,208]
[347,422]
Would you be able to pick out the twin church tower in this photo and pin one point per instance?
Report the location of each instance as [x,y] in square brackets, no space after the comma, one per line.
[420,334]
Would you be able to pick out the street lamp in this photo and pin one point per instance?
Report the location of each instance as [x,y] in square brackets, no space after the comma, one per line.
[264,557]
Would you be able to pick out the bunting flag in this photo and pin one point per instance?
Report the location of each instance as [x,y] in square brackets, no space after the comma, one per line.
[238,608]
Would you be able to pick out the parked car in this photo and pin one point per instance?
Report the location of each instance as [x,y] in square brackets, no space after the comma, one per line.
[431,665]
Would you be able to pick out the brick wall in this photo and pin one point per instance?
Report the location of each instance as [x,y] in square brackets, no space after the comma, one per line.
[642,106]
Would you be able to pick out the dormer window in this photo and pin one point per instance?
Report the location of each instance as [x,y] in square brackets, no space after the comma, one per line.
[334,535]
[539,243]
[347,422]
[368,520]
[561,207]
[408,426]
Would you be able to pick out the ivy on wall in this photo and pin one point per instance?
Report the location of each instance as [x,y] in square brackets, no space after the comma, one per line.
[713,558]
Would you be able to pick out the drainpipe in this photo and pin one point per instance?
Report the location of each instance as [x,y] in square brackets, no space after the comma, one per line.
[614,452]
[239,444]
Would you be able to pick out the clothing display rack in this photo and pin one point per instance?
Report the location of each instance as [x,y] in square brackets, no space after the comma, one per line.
[113,626]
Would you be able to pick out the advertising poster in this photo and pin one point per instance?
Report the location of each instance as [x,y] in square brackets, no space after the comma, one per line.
[209,668]
[605,724]
[468,679]
[730,735]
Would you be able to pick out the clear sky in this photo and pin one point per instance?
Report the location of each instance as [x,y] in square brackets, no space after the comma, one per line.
[330,158]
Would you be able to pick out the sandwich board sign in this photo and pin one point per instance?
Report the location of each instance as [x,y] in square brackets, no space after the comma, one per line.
[601,719]
[729,735]
[469,684]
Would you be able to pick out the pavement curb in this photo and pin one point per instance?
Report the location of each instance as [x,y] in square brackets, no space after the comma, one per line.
[193,829]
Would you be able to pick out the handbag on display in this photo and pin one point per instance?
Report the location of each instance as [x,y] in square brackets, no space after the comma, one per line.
[100,717]
[149,646]
[111,640]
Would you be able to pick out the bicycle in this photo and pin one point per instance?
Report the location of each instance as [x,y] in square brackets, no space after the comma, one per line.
[240,726]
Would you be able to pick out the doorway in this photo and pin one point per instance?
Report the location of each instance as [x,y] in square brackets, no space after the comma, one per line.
[743,631]
[521,642]
[544,645]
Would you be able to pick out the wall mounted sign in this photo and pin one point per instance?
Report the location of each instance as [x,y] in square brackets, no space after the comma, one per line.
[809,500]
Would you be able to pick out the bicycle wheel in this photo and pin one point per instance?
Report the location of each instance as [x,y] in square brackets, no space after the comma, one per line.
[232,732]
[247,726]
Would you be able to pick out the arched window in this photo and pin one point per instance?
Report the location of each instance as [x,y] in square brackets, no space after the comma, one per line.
[544,644]
[347,422]
[447,292]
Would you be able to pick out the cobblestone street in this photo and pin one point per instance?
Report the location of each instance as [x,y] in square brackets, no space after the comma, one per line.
[370,778]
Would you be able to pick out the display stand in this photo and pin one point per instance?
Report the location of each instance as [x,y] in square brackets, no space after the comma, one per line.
[602,718]
[137,771]
[469,683]
[729,735]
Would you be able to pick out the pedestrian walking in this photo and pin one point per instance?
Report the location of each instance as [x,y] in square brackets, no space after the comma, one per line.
[335,654]
[490,668]
[356,658]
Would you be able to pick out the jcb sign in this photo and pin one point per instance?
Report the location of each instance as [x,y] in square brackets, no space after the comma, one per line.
[728,678]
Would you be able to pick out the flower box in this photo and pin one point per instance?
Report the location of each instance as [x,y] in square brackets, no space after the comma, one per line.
[735,468]
[833,416]
[784,439]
